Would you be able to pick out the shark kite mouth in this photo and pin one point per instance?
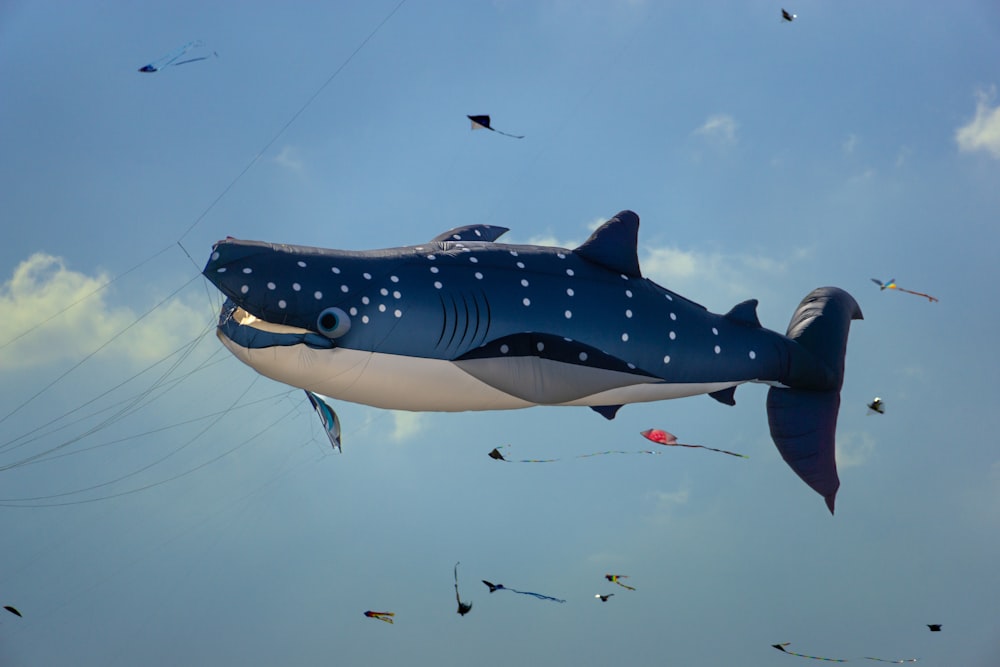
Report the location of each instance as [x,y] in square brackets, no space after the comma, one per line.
[253,333]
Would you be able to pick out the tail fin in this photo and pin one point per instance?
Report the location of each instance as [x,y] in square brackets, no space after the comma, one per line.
[803,417]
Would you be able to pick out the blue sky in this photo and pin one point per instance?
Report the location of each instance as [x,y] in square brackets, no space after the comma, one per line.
[185,509]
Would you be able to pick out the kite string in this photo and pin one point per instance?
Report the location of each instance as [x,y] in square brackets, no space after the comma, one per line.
[291,120]
[132,404]
[159,547]
[83,298]
[205,212]
[94,352]
[11,502]
[143,468]
[192,420]
[25,438]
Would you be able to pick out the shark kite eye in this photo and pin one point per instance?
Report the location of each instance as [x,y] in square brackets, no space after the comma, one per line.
[333,322]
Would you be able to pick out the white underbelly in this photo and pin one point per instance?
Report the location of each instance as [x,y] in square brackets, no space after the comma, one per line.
[397,382]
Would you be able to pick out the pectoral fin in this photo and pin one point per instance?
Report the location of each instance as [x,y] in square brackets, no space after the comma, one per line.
[548,369]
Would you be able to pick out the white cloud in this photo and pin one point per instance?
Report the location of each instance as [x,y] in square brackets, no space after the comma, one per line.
[864,176]
[854,449]
[551,242]
[720,128]
[850,143]
[982,133]
[666,508]
[288,158]
[666,501]
[52,313]
[903,156]
[722,275]
[406,425]
[700,275]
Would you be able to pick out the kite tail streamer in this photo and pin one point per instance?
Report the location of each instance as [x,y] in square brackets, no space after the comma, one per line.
[781,647]
[513,136]
[909,291]
[537,595]
[803,416]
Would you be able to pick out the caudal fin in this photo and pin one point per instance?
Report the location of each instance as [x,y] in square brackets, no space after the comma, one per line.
[803,416]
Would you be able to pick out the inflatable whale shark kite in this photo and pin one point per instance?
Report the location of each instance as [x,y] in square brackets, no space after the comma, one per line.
[465,323]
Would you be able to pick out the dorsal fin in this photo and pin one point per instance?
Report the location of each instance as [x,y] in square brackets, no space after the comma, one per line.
[613,245]
[471,233]
[744,313]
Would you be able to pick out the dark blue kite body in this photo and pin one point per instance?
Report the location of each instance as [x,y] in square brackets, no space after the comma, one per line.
[466,323]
